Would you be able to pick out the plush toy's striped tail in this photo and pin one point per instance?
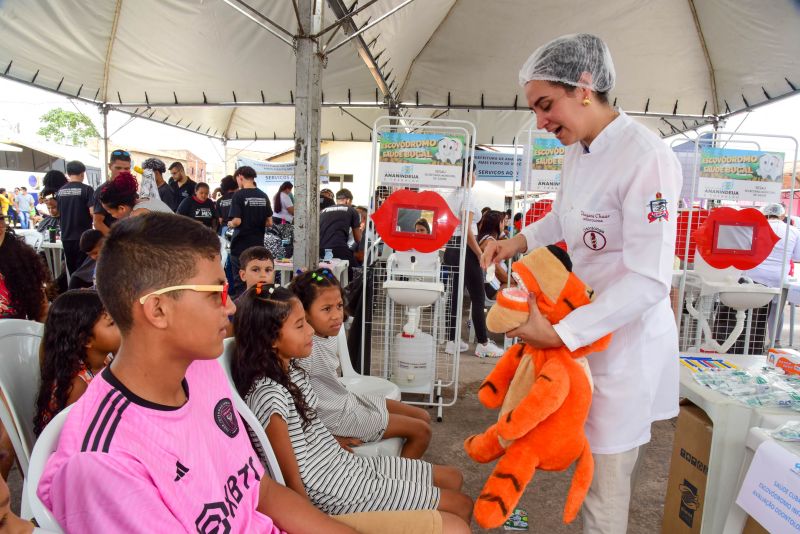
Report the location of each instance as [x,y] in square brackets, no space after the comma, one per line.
[581,480]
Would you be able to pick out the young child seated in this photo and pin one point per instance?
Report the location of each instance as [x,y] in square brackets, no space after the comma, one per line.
[352,418]
[271,331]
[155,444]
[90,243]
[78,337]
[256,264]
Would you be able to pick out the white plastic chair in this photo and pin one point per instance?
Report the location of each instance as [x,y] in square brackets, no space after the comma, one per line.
[365,385]
[19,382]
[32,238]
[368,385]
[247,414]
[45,446]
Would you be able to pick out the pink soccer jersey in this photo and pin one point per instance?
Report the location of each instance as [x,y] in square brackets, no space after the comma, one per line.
[125,464]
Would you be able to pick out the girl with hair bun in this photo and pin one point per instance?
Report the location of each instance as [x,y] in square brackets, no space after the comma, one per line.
[119,197]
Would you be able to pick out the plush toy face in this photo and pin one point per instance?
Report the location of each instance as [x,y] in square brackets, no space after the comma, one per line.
[545,272]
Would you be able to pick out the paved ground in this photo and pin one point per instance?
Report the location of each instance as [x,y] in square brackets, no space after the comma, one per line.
[544,498]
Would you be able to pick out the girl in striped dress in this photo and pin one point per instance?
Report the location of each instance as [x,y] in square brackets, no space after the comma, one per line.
[271,333]
[352,418]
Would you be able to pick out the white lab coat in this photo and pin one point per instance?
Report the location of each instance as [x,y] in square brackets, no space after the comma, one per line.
[622,244]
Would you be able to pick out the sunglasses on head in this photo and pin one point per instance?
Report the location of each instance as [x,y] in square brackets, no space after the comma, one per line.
[121,153]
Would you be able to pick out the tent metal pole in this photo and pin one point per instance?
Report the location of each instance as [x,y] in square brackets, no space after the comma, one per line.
[367,27]
[344,17]
[307,119]
[104,164]
[260,19]
[225,164]
[340,10]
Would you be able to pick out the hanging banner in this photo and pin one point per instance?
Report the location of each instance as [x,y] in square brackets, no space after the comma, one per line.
[420,160]
[496,166]
[546,157]
[740,175]
[271,173]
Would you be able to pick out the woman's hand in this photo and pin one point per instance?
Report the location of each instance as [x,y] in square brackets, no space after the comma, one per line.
[537,330]
[497,251]
[348,443]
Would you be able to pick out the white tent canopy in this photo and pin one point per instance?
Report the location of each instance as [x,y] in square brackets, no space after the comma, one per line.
[169,60]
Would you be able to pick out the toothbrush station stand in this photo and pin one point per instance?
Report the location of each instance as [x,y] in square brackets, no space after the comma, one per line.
[413,283]
[729,242]
[418,172]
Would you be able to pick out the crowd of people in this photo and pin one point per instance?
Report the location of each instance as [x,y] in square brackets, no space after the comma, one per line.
[153,441]
[103,345]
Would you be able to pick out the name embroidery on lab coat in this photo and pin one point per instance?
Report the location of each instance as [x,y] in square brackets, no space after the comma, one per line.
[658,209]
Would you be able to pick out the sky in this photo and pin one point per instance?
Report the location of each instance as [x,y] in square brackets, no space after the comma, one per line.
[22,105]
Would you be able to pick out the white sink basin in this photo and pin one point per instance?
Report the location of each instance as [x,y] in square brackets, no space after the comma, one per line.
[745,296]
[410,293]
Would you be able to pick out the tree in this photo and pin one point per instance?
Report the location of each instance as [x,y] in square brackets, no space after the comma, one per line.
[59,125]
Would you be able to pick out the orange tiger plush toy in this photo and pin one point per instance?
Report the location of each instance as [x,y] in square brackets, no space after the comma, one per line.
[544,395]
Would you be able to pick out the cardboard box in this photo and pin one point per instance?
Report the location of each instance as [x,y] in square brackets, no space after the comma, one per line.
[753,527]
[688,472]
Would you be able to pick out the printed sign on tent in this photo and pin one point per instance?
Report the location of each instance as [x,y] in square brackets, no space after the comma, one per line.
[547,158]
[496,166]
[740,175]
[271,173]
[420,160]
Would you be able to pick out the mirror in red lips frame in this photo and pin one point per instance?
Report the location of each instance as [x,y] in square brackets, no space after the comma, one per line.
[735,238]
[401,235]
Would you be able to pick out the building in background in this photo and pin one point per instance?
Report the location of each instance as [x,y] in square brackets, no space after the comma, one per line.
[24,161]
[194,167]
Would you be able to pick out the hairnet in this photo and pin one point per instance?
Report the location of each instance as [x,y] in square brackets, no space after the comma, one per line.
[155,164]
[774,210]
[567,58]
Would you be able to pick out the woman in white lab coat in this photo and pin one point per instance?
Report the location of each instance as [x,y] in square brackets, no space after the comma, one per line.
[616,209]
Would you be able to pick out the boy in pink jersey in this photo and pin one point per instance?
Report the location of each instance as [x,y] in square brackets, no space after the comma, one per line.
[155,444]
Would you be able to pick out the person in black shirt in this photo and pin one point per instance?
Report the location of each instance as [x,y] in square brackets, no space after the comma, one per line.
[199,207]
[250,215]
[120,161]
[165,191]
[228,186]
[335,225]
[182,185]
[75,201]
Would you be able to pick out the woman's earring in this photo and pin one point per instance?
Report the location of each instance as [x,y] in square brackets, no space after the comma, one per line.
[586,101]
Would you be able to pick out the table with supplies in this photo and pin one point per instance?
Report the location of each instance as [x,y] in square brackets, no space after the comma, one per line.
[732,420]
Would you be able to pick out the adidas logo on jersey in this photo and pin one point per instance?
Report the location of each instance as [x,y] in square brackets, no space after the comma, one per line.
[180,471]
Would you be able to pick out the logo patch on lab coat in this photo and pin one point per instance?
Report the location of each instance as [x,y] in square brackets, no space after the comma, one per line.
[658,209]
[594,238]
